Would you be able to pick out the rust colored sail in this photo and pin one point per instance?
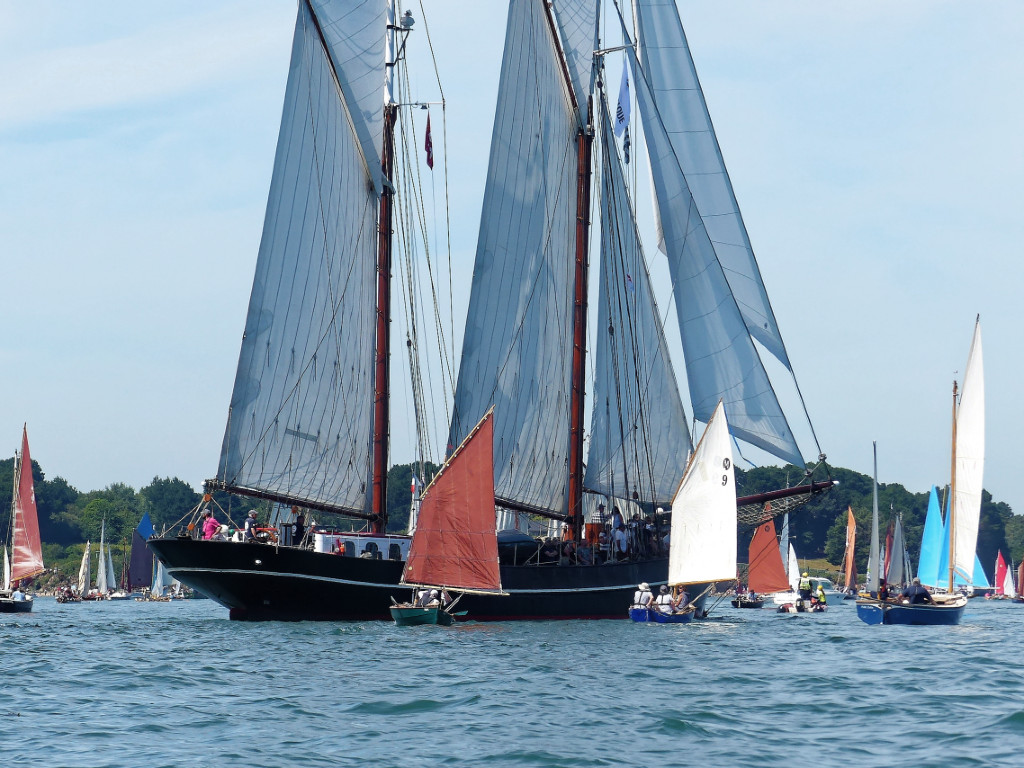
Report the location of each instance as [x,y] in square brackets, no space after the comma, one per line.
[27,554]
[766,571]
[455,544]
[849,559]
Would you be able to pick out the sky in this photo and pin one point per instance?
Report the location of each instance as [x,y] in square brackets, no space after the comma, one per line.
[874,148]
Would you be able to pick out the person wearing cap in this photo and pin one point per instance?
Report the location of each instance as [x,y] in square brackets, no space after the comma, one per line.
[250,526]
[664,600]
[643,596]
[916,593]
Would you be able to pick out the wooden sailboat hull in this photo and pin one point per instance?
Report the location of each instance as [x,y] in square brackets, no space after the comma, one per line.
[411,616]
[655,616]
[746,602]
[259,582]
[922,614]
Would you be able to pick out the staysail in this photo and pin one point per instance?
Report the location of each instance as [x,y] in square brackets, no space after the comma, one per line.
[931,543]
[970,459]
[673,81]
[309,343]
[895,573]
[722,362]
[517,346]
[26,546]
[793,569]
[703,536]
[639,438]
[873,555]
[1001,570]
[766,572]
[455,544]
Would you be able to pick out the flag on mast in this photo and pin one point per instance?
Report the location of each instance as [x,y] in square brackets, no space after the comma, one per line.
[622,110]
[428,146]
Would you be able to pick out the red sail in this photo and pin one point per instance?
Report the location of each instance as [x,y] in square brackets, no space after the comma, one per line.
[27,555]
[850,560]
[766,572]
[1000,573]
[455,544]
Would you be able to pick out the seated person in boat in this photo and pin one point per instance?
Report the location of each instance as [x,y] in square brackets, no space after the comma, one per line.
[664,601]
[917,594]
[681,601]
[643,597]
[18,595]
[820,595]
[883,590]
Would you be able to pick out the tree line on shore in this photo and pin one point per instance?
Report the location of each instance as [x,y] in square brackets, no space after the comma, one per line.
[69,517]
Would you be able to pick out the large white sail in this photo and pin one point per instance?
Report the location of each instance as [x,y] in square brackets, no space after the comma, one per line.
[704,511]
[873,562]
[1008,588]
[639,439]
[677,92]
[722,362]
[970,460]
[101,561]
[517,347]
[896,574]
[300,423]
[111,576]
[84,576]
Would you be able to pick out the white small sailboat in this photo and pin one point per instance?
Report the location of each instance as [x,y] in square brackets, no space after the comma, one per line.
[703,534]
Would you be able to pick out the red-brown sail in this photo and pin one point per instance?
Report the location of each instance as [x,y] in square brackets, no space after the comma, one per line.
[27,550]
[766,573]
[849,559]
[455,544]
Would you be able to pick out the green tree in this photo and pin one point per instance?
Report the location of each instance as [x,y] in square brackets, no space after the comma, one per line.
[167,500]
[53,499]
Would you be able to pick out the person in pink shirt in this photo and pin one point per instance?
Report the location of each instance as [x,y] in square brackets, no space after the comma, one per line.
[210,525]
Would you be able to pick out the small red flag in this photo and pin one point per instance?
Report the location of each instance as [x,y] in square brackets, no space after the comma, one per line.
[428,146]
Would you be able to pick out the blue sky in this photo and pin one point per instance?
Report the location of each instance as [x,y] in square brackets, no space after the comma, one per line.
[874,148]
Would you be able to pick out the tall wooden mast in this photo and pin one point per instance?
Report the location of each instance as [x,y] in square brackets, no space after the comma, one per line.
[382,361]
[584,144]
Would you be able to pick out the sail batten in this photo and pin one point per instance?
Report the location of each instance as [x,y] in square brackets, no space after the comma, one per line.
[308,343]
[516,353]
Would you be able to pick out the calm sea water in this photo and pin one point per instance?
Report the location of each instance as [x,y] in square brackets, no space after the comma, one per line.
[177,684]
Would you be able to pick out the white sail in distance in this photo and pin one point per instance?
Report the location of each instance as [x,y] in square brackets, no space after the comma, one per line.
[970,460]
[703,537]
[84,575]
[873,562]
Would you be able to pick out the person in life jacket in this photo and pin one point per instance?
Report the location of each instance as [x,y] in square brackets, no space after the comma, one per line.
[820,594]
[805,587]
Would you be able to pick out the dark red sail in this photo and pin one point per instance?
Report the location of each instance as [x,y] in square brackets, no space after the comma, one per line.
[27,549]
[766,572]
[455,544]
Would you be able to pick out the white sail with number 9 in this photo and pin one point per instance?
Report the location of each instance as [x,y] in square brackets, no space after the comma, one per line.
[703,541]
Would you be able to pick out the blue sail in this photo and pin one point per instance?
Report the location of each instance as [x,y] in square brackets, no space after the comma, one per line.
[931,543]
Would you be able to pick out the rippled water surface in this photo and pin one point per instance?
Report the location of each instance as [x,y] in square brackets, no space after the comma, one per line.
[177,684]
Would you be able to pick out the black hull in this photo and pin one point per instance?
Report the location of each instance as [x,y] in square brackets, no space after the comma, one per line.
[260,582]
[15,606]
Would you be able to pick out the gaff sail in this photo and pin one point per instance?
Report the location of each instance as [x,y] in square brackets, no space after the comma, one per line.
[765,570]
[455,544]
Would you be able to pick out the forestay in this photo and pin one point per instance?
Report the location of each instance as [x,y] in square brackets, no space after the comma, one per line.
[516,353]
[677,92]
[639,438]
[300,422]
[703,533]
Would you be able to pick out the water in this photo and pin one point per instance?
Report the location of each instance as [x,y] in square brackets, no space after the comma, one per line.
[177,684]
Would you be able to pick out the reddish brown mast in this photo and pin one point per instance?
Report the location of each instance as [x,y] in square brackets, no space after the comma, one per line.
[584,141]
[382,362]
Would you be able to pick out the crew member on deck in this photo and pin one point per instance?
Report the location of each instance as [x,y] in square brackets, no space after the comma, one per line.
[664,600]
[917,594]
[805,587]
[250,526]
[210,525]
